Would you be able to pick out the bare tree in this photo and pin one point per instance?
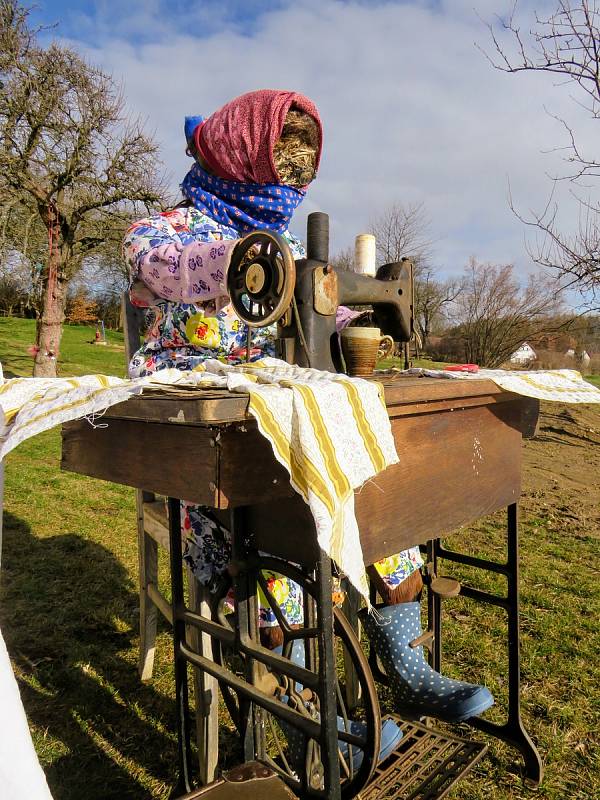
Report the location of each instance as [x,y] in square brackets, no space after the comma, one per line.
[23,253]
[403,231]
[494,315]
[14,285]
[432,298]
[343,260]
[566,44]
[68,150]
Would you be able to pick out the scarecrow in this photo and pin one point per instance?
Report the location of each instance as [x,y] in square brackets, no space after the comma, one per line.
[253,161]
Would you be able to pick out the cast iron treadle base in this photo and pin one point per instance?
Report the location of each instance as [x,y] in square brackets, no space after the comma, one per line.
[425,765]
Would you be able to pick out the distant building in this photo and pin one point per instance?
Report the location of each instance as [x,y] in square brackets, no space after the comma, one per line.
[585,359]
[524,354]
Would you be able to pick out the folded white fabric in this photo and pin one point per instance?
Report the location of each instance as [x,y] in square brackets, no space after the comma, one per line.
[559,385]
[20,772]
[31,405]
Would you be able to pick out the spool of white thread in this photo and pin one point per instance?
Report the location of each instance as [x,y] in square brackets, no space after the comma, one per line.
[364,254]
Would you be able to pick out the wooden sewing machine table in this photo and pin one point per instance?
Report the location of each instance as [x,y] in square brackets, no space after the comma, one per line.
[459,447]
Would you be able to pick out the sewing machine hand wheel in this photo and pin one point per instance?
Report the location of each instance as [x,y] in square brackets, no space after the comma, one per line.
[261,278]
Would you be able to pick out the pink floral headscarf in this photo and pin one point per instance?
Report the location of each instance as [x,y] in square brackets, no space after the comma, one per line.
[237,140]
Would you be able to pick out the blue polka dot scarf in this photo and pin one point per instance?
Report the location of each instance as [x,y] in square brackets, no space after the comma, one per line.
[243,206]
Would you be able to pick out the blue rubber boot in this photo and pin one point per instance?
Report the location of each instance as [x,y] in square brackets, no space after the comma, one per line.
[390,732]
[419,691]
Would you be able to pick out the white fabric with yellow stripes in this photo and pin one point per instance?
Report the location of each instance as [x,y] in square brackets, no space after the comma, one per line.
[31,405]
[559,385]
[332,433]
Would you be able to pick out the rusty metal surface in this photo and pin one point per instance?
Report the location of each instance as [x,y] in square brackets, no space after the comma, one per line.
[325,290]
[425,765]
[251,781]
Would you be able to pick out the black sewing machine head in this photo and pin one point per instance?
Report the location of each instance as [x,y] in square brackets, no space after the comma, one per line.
[266,285]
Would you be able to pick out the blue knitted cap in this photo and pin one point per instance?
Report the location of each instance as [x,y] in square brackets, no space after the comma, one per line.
[190,125]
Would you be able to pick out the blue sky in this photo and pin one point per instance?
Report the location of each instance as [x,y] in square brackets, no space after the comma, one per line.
[412,110]
[83,19]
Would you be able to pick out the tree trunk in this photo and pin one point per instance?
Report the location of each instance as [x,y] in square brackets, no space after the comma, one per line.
[49,330]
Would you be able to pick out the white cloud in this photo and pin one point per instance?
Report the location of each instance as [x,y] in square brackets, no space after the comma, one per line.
[411,108]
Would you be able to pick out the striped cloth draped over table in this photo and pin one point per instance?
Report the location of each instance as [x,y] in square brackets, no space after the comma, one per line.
[330,432]
[31,405]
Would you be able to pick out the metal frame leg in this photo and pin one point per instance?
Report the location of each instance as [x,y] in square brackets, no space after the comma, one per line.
[246,632]
[247,640]
[513,730]
[182,708]
[245,583]
[327,678]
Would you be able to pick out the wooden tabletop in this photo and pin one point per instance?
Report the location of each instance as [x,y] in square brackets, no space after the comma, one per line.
[403,394]
[458,441]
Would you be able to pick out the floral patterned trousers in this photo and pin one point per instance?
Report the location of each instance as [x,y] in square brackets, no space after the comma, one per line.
[208,551]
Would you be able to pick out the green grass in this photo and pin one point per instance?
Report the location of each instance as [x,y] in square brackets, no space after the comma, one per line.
[69,614]
[77,355]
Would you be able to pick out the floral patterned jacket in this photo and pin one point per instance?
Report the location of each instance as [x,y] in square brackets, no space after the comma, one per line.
[177,263]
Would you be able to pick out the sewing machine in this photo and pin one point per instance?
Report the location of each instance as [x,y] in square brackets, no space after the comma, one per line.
[266,285]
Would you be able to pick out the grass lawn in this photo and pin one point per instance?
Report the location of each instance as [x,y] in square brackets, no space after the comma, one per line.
[69,613]
[78,355]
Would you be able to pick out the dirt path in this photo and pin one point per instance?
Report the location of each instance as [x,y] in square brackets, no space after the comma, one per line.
[562,467]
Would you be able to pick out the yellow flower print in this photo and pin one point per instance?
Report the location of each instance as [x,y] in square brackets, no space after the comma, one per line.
[387,565]
[203,331]
[279,589]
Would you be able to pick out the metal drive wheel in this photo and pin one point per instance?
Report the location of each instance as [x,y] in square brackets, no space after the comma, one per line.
[358,748]
[261,278]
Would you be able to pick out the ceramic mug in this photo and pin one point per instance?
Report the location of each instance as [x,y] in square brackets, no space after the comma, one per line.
[361,349]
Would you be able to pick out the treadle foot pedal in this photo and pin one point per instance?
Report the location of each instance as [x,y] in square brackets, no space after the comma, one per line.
[250,781]
[425,765]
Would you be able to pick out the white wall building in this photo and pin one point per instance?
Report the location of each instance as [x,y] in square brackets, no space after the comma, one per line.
[523,355]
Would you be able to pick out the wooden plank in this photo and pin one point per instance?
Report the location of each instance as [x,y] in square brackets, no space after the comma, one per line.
[454,468]
[248,470]
[208,406]
[177,461]
[445,404]
[215,407]
[148,574]
[231,465]
[418,390]
[206,688]
[132,323]
[156,523]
